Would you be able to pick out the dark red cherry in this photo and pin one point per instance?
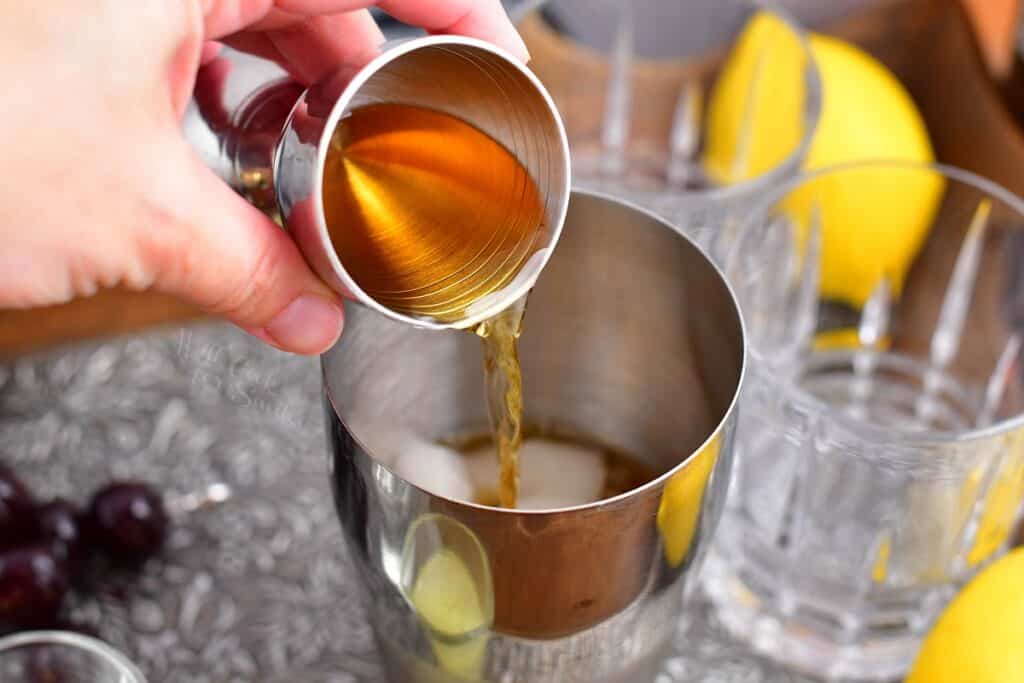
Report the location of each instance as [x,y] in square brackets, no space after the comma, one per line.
[128,520]
[17,511]
[33,583]
[62,526]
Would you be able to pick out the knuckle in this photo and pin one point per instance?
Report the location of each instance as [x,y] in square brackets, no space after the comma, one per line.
[245,291]
[165,253]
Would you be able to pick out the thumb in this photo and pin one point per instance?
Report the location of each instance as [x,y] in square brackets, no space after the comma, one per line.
[233,261]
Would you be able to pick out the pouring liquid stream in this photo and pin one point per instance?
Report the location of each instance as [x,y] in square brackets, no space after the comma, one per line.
[504,385]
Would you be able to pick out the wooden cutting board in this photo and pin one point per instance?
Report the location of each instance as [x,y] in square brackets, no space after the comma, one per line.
[108,313]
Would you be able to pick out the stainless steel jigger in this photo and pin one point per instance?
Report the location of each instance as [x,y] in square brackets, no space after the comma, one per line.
[268,138]
[632,338]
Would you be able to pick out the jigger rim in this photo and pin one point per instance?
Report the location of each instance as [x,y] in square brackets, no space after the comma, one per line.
[527,276]
[801,397]
[721,425]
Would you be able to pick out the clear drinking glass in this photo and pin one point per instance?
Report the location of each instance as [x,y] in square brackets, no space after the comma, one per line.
[653,115]
[880,451]
[63,656]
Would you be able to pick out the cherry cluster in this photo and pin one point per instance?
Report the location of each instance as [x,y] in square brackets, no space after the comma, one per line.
[45,548]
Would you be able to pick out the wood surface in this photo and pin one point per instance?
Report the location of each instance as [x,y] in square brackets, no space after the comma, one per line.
[995,23]
[108,313]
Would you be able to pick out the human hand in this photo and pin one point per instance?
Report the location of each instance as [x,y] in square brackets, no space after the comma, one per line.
[103,190]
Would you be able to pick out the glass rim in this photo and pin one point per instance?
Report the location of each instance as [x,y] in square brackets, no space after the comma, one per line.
[811,115]
[76,641]
[893,436]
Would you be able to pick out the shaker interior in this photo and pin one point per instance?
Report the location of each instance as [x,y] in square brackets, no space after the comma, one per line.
[630,339]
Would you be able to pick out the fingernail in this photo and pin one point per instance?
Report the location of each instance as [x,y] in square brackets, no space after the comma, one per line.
[310,324]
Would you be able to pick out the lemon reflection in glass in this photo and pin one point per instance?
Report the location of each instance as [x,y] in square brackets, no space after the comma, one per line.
[446,578]
[679,510]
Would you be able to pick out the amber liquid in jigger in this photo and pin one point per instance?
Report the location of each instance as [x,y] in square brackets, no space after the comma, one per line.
[432,214]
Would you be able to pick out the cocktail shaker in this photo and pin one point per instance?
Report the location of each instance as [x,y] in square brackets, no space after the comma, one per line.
[632,339]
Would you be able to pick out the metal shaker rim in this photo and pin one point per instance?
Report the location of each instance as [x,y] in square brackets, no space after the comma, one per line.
[527,276]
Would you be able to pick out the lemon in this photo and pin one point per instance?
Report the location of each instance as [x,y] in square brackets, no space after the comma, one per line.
[873,222]
[757,104]
[978,638]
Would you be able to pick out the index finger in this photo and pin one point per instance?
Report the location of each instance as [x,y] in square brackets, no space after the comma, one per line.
[483,19]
